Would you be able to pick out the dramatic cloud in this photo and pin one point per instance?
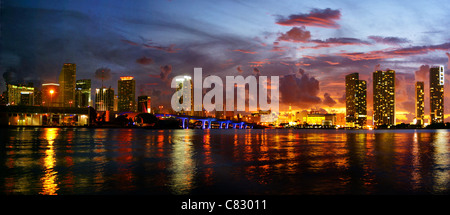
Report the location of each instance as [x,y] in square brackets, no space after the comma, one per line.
[144,61]
[389,40]
[327,100]
[296,34]
[300,90]
[325,18]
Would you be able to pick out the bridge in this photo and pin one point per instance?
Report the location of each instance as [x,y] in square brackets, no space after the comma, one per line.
[207,122]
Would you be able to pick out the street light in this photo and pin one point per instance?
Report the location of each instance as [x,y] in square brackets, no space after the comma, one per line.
[51,101]
[51,95]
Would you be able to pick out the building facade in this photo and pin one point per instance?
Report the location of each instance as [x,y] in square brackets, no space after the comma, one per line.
[355,101]
[67,84]
[437,94]
[384,98]
[104,99]
[83,93]
[20,94]
[126,94]
[420,103]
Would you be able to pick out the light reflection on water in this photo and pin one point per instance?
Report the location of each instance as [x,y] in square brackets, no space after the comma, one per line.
[53,161]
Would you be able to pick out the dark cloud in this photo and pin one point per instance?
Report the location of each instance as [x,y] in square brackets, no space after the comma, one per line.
[296,34]
[327,100]
[168,49]
[300,90]
[325,18]
[144,61]
[103,73]
[10,76]
[165,72]
[341,41]
[389,40]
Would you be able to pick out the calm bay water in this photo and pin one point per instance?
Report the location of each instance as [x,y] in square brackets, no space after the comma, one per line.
[138,161]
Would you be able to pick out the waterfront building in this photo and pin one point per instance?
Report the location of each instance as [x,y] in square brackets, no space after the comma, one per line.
[420,103]
[104,99]
[67,84]
[126,94]
[437,94]
[20,94]
[83,93]
[384,98]
[355,101]
[44,116]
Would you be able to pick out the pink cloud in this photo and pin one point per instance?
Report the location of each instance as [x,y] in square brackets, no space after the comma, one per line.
[244,51]
[296,34]
[325,18]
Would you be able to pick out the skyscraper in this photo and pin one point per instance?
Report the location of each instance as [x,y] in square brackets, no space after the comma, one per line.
[384,98]
[67,84]
[355,101]
[437,94]
[126,92]
[420,102]
[104,99]
[83,93]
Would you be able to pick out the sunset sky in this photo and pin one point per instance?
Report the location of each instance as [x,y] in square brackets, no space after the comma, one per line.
[311,45]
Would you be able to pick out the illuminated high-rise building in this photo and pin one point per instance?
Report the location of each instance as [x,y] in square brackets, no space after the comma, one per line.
[437,94]
[384,98]
[144,104]
[20,95]
[67,84]
[420,103]
[127,94]
[355,101]
[104,99]
[83,93]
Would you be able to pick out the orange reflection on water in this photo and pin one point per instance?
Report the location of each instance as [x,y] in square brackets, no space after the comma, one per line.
[49,185]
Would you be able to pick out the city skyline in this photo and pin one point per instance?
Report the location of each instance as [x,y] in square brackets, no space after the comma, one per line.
[311,46]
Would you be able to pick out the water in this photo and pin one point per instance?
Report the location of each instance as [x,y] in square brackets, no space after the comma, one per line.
[55,161]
